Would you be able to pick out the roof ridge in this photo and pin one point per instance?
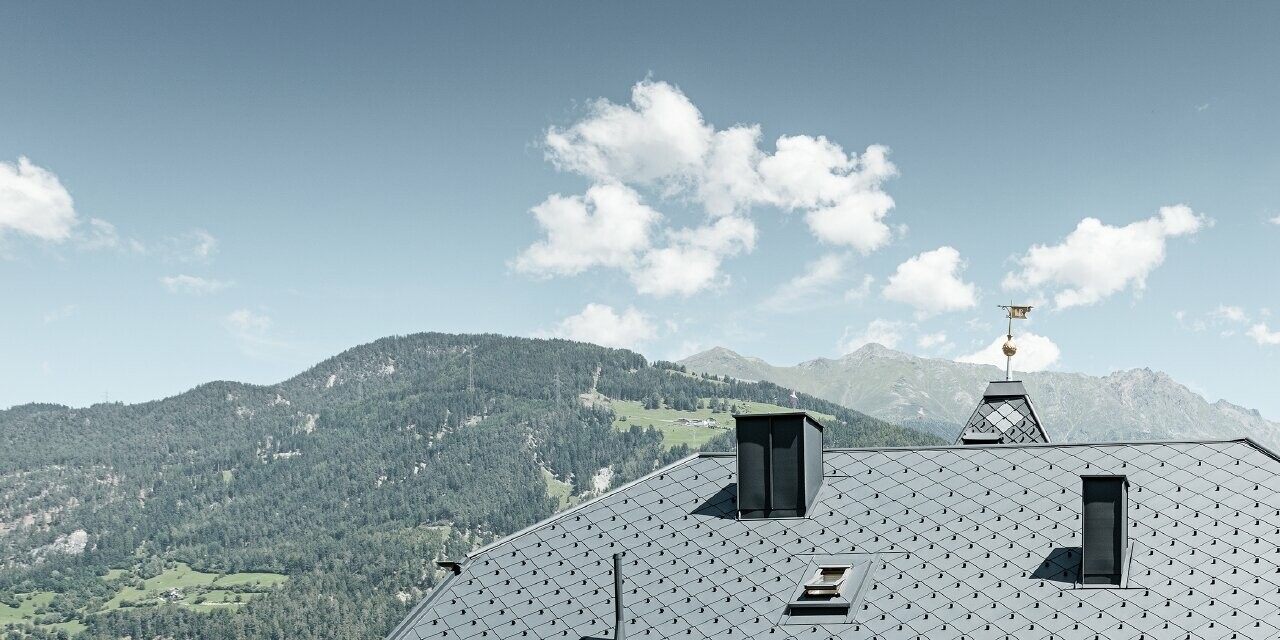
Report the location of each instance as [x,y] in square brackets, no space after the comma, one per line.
[1021,445]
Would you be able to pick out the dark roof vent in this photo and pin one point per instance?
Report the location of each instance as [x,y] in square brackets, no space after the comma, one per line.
[1104,547]
[779,464]
[1004,416]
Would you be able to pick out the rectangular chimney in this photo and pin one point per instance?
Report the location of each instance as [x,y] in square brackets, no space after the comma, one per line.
[1105,530]
[779,464]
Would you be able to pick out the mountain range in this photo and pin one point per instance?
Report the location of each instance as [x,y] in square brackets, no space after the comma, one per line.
[938,396]
[317,507]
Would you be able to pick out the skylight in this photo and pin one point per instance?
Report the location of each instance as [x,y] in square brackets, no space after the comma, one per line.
[828,580]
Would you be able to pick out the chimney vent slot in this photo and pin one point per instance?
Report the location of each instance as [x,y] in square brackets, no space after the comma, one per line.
[1105,530]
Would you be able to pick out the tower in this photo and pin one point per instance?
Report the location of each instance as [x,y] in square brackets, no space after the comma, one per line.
[1005,415]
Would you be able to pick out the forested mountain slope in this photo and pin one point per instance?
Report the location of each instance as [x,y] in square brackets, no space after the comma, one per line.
[350,479]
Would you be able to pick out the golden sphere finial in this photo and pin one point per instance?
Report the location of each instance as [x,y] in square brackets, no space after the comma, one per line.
[1009,348]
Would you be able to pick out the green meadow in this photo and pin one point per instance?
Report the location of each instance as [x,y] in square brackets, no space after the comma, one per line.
[632,412]
[178,584]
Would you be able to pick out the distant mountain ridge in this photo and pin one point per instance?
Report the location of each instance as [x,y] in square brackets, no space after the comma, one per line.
[939,395]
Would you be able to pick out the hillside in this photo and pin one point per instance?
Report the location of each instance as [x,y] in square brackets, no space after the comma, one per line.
[316,508]
[939,395]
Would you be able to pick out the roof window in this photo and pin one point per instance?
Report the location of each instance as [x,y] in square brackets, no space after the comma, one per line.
[828,580]
[830,589]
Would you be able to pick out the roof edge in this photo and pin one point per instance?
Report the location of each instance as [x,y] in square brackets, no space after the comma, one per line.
[1019,445]
[416,612]
[577,507]
[1263,448]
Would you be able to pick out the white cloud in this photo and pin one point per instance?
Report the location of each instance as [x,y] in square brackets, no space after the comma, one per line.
[34,202]
[606,227]
[931,283]
[879,331]
[810,289]
[691,260]
[251,331]
[931,340]
[660,142]
[1035,353]
[1097,260]
[193,285]
[854,221]
[1264,335]
[600,324]
[100,235]
[1275,220]
[1231,313]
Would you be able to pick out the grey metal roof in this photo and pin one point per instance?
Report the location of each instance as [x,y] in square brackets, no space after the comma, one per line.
[965,542]
[1006,410]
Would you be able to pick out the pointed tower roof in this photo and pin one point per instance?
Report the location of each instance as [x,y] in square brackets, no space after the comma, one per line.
[1004,416]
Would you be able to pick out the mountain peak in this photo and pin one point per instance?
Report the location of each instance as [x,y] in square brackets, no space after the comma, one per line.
[872,350]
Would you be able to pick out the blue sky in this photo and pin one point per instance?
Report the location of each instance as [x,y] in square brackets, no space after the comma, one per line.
[237,192]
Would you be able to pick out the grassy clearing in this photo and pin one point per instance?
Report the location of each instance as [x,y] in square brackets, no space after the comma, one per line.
[191,584]
[629,412]
[560,490]
[194,589]
[25,612]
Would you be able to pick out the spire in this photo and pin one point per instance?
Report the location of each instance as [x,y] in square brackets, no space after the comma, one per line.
[1013,312]
[1005,415]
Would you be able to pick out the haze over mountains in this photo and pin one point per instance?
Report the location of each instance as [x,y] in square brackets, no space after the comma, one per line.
[939,395]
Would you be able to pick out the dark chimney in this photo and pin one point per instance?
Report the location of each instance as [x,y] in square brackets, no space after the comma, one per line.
[779,464]
[1105,530]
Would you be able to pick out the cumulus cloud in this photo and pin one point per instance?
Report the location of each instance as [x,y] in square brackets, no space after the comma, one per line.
[660,142]
[600,324]
[883,332]
[33,202]
[192,285]
[1263,335]
[1035,353]
[931,282]
[1275,220]
[691,260]
[1097,260]
[607,227]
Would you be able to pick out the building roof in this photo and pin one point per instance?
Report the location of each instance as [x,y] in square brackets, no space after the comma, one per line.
[1005,414]
[969,542]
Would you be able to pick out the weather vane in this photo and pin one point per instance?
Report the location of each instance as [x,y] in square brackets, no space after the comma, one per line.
[1014,312]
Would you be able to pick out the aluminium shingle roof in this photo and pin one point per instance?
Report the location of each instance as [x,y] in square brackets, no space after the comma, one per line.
[965,542]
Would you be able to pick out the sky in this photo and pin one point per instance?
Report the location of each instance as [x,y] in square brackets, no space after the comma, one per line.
[195,192]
